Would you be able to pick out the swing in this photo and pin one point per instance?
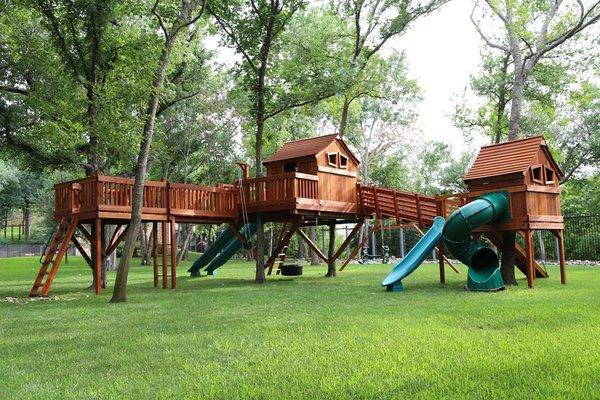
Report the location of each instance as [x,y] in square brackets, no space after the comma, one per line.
[385,257]
[248,243]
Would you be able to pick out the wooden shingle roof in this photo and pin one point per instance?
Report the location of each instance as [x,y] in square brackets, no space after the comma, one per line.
[307,147]
[509,158]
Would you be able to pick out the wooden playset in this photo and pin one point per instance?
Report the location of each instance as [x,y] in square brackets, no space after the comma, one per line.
[308,182]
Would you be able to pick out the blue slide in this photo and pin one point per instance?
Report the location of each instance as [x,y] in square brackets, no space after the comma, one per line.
[229,251]
[226,240]
[415,257]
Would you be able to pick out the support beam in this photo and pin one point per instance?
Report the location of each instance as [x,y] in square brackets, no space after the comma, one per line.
[82,251]
[115,242]
[530,254]
[154,249]
[348,240]
[114,235]
[173,255]
[97,254]
[440,254]
[375,226]
[561,255]
[85,232]
[164,253]
[237,233]
[313,246]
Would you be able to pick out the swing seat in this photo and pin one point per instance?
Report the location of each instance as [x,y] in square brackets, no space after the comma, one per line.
[248,246]
[291,270]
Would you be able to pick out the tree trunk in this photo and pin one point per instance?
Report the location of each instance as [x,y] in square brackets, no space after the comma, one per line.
[120,291]
[26,220]
[507,267]
[314,258]
[260,250]
[183,253]
[331,271]
[145,245]
[301,248]
[516,106]
[501,106]
[344,117]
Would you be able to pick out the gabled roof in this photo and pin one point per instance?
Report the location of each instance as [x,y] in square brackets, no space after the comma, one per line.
[514,157]
[308,147]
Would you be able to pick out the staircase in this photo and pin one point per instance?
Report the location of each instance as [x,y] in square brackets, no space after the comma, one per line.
[520,255]
[55,252]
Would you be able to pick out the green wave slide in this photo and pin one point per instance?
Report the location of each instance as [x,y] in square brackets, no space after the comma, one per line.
[226,240]
[484,270]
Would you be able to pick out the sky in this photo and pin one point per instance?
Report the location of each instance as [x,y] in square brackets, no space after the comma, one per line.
[442,52]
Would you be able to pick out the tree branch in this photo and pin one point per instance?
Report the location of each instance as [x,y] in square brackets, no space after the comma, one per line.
[483,36]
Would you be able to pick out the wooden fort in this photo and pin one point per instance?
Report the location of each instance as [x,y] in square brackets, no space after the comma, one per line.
[526,170]
[308,182]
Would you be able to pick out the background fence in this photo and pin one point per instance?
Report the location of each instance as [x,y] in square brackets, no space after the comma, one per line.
[25,250]
[582,240]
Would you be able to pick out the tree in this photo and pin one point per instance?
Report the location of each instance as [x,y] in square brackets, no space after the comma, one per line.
[183,18]
[373,24]
[379,123]
[276,77]
[578,139]
[532,30]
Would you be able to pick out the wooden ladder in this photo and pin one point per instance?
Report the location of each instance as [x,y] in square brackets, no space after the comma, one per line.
[168,260]
[281,259]
[56,250]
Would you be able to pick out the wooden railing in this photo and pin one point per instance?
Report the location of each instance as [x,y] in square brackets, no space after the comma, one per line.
[114,194]
[278,188]
[193,200]
[447,204]
[403,206]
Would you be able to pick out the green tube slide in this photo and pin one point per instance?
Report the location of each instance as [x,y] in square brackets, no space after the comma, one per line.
[415,257]
[212,251]
[230,249]
[484,271]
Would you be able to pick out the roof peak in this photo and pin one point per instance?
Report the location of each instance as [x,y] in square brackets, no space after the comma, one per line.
[537,137]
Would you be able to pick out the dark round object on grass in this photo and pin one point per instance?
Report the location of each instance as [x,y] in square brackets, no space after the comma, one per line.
[291,270]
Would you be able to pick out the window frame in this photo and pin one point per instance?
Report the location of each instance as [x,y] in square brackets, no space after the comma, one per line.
[552,180]
[345,158]
[336,162]
[533,169]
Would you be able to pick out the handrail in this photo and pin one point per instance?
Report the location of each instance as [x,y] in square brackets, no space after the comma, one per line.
[115,194]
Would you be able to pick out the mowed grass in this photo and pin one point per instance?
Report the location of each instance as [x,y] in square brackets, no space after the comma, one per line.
[304,338]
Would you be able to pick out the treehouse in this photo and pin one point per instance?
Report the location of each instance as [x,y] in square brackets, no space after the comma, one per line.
[316,176]
[308,182]
[527,171]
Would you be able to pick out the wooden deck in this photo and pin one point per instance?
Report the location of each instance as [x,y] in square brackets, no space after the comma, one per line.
[110,198]
[278,197]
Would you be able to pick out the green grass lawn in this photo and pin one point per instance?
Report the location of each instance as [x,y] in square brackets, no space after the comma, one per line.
[308,337]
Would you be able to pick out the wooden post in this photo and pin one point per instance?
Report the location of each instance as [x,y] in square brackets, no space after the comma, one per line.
[375,226]
[154,249]
[561,255]
[441,208]
[164,253]
[530,255]
[173,255]
[97,249]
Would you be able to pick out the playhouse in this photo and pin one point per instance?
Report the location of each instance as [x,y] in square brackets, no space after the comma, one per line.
[308,182]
